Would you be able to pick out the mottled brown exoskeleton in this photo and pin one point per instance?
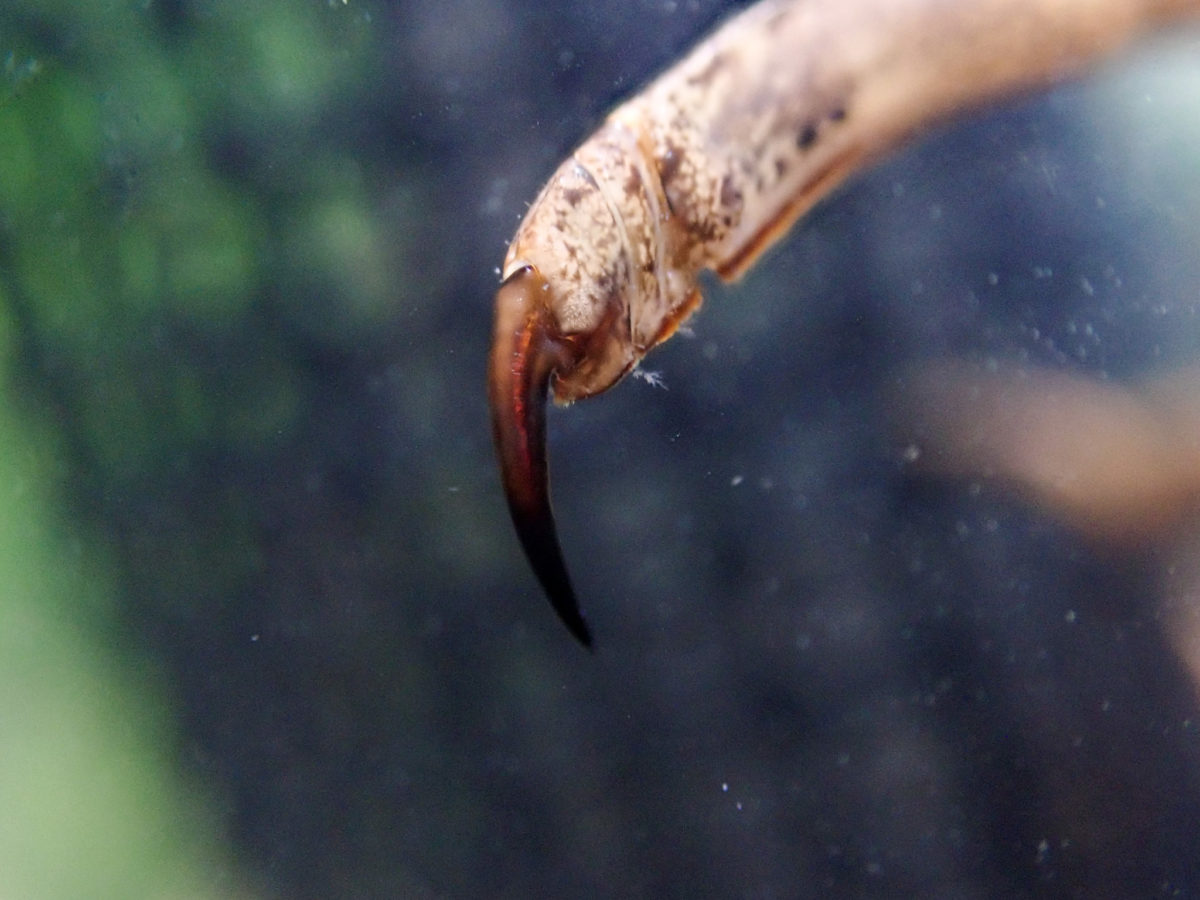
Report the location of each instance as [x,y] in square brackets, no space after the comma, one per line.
[713,161]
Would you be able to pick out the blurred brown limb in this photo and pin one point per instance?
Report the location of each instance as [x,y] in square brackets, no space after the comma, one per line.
[1120,464]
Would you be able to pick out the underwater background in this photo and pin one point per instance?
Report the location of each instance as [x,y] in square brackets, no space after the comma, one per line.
[265,630]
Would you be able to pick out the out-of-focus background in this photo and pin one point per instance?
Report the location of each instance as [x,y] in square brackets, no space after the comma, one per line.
[265,630]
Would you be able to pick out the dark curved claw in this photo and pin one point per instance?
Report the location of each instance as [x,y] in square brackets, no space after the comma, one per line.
[526,351]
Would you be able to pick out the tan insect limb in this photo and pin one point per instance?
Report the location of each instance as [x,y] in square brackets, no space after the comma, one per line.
[714,160]
[1116,462]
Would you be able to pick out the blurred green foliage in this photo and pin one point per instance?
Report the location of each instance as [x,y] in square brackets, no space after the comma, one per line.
[142,246]
[132,214]
[91,804]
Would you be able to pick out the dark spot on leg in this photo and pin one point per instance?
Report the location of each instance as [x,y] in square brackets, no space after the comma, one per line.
[807,136]
[573,196]
[669,165]
[633,184]
[731,197]
[668,168]
[837,114]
